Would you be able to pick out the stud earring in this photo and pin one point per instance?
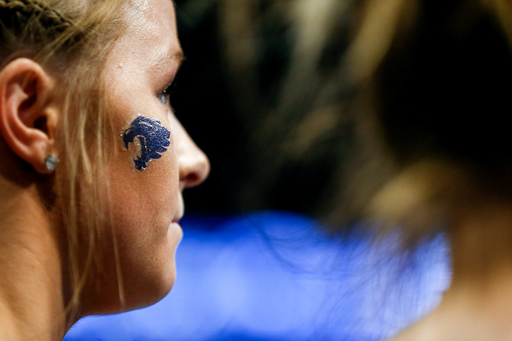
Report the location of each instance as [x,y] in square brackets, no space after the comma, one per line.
[51,162]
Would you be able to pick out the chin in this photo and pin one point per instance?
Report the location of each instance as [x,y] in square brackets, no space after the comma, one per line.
[142,289]
[148,289]
[149,273]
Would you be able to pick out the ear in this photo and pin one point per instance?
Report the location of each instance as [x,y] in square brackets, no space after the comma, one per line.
[28,119]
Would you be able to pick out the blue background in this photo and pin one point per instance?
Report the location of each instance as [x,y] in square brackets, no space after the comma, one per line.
[276,276]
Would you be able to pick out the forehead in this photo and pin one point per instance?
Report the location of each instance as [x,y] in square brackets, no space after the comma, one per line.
[151,17]
[150,33]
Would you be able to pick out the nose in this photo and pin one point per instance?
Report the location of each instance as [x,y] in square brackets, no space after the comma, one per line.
[194,165]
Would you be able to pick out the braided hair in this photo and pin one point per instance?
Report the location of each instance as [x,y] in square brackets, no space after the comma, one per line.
[31,26]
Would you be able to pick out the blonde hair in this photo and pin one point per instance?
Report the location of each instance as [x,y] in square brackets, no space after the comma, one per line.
[71,39]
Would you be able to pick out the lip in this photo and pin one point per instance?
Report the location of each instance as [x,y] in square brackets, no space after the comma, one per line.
[177,219]
[175,224]
[180,212]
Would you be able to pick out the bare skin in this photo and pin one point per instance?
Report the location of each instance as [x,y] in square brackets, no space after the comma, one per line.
[478,304]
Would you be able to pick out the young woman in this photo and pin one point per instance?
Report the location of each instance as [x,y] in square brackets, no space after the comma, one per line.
[93,161]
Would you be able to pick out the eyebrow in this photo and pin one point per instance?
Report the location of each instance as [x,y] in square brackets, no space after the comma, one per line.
[179,56]
[171,55]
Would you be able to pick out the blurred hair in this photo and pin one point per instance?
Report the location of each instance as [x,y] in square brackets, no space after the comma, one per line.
[404,103]
[433,79]
[71,40]
[282,63]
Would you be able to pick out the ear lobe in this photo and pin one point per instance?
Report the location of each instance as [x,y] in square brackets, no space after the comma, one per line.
[28,118]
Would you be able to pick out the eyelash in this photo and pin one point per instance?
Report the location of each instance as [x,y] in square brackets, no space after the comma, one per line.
[164,96]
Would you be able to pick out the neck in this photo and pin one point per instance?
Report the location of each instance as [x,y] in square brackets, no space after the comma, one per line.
[481,291]
[478,304]
[481,239]
[31,297]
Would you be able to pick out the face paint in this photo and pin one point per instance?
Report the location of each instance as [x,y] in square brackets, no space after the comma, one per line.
[153,138]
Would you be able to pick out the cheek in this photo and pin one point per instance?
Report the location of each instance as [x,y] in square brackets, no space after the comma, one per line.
[142,205]
[145,181]
[146,200]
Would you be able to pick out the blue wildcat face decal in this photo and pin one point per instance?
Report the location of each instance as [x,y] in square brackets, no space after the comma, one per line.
[153,138]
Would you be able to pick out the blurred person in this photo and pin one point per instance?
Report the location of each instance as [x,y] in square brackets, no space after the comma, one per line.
[94,161]
[411,113]
[433,82]
[407,102]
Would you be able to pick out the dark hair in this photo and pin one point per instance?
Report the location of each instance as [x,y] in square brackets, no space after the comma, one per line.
[444,87]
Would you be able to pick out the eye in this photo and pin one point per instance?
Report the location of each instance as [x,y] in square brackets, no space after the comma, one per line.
[164,98]
[165,95]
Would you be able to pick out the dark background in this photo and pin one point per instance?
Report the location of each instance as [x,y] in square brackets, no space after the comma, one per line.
[247,172]
[202,104]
